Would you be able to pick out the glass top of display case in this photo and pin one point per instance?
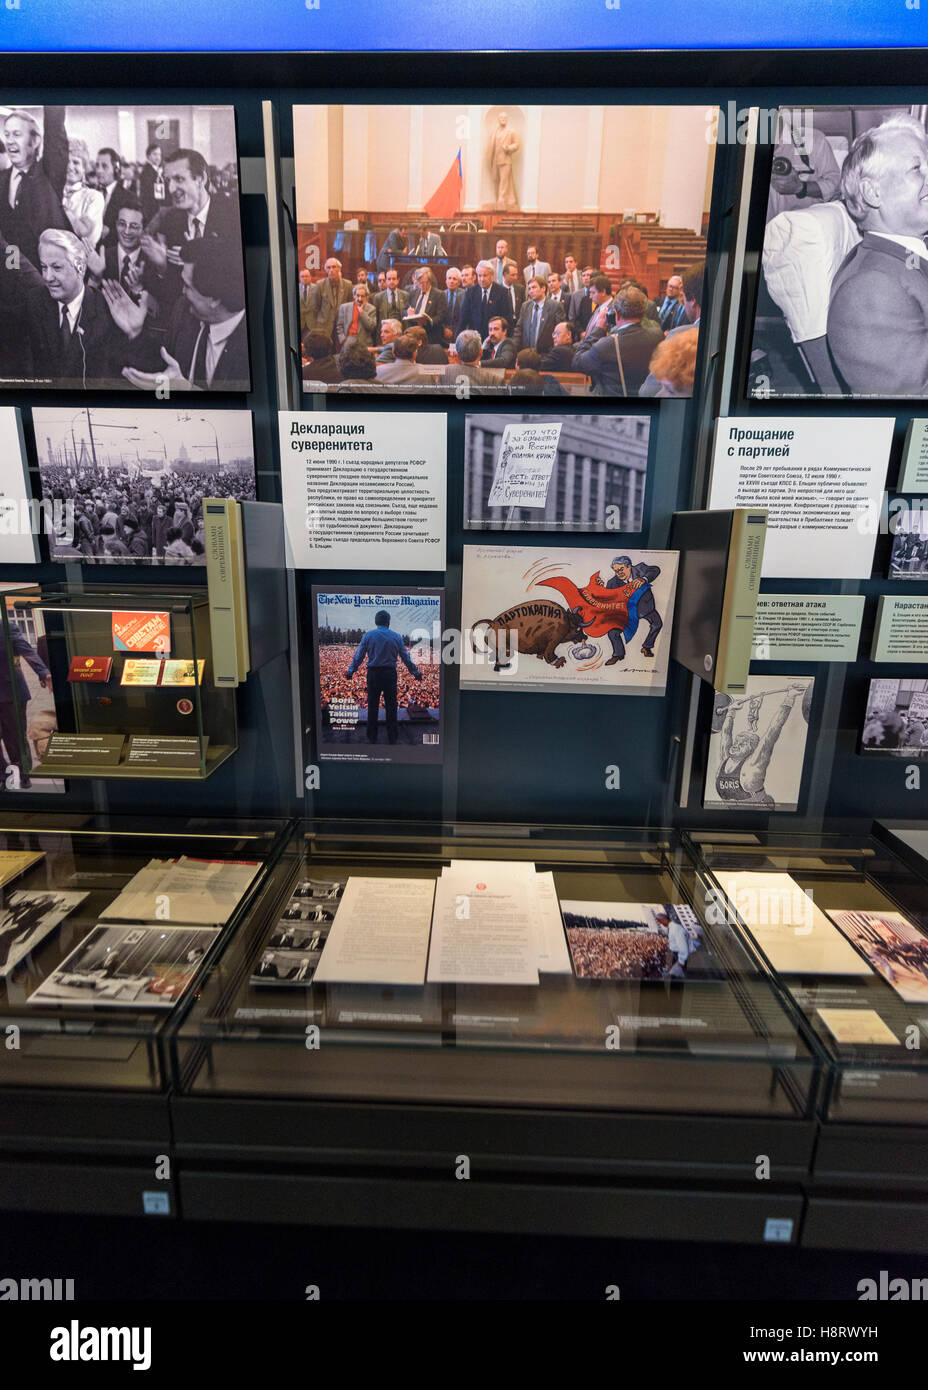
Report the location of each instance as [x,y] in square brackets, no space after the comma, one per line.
[839,926]
[105,929]
[564,966]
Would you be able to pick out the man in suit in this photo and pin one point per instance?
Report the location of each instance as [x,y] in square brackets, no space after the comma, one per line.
[15,759]
[671,312]
[561,356]
[391,302]
[642,576]
[692,281]
[469,367]
[468,276]
[396,244]
[192,216]
[29,202]
[402,370]
[152,191]
[514,289]
[499,260]
[305,295]
[72,340]
[580,306]
[454,297]
[429,244]
[318,360]
[108,168]
[126,261]
[206,344]
[601,296]
[558,295]
[390,330]
[484,301]
[630,342]
[878,314]
[17,277]
[498,350]
[427,307]
[329,295]
[535,328]
[573,280]
[357,320]
[535,266]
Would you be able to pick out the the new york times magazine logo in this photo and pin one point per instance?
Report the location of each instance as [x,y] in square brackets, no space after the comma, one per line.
[76,1343]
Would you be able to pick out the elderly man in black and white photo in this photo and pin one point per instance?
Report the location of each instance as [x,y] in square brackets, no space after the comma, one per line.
[72,339]
[878,314]
[32,187]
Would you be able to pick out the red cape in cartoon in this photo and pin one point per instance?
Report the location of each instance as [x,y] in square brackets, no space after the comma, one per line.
[601,609]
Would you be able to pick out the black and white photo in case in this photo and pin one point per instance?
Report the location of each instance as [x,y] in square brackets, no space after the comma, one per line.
[127,487]
[128,967]
[27,918]
[121,261]
[555,472]
[909,558]
[842,306]
[897,717]
[294,947]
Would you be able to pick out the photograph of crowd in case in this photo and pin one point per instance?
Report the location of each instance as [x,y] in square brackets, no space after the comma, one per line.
[842,306]
[128,488]
[595,481]
[507,249]
[631,941]
[379,675]
[897,717]
[121,261]
[896,949]
[909,558]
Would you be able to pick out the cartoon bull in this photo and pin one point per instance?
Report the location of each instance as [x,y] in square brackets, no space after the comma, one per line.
[539,628]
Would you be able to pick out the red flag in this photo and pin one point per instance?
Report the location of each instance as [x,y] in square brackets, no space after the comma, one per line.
[446,200]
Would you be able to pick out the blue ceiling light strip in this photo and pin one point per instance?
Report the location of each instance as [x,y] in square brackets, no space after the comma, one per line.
[293,26]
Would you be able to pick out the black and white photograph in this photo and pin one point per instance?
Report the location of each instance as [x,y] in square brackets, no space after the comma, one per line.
[842,306]
[308,910]
[121,261]
[909,558]
[896,721]
[555,472]
[26,919]
[294,963]
[323,890]
[127,488]
[129,967]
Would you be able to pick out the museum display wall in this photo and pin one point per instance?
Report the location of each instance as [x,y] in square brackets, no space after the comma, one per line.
[583,743]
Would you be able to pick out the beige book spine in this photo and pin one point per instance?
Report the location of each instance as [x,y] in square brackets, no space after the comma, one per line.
[739,604]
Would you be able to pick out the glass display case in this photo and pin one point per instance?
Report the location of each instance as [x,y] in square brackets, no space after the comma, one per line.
[112,684]
[105,929]
[715,1038]
[837,922]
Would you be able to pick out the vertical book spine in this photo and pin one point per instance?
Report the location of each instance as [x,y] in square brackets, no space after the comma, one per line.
[222,552]
[739,605]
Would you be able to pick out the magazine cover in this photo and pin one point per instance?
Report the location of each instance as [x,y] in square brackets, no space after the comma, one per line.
[379,675]
[551,618]
[128,967]
[757,745]
[631,941]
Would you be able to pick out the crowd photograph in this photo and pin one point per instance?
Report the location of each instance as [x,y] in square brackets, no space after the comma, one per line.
[897,717]
[487,265]
[842,304]
[121,261]
[126,492]
[631,941]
